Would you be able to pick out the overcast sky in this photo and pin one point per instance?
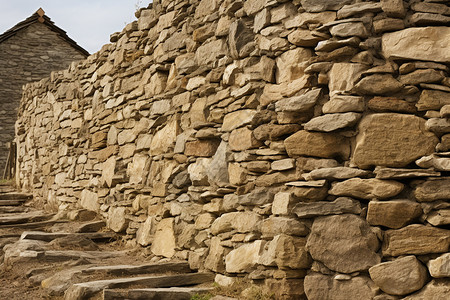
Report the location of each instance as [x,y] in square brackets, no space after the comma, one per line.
[88,22]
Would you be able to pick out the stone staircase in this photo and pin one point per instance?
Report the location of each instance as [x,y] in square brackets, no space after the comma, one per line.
[80,260]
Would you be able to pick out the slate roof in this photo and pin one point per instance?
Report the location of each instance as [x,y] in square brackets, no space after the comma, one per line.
[39,16]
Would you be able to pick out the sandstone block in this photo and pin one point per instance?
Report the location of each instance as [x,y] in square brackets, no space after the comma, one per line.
[433,190]
[290,64]
[204,148]
[440,267]
[164,240]
[242,139]
[375,147]
[352,29]
[394,213]
[322,5]
[241,221]
[389,104]
[401,276]
[420,43]
[286,251]
[319,287]
[416,239]
[439,217]
[344,243]
[342,104]
[317,144]
[117,219]
[332,122]
[237,119]
[215,260]
[343,77]
[244,258]
[378,84]
[436,289]
[89,200]
[336,173]
[165,138]
[367,188]
[144,235]
[322,208]
[300,103]
[432,100]
[273,226]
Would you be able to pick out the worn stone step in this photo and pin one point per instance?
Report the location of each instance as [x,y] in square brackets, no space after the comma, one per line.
[66,255]
[15,196]
[173,293]
[123,270]
[24,218]
[13,209]
[50,236]
[11,202]
[33,225]
[85,290]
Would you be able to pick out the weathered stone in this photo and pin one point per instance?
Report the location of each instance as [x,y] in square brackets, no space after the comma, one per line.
[300,103]
[165,138]
[317,144]
[344,243]
[244,258]
[164,240]
[440,267]
[319,287]
[358,8]
[203,148]
[339,206]
[322,5]
[300,20]
[117,219]
[336,173]
[144,235]
[290,64]
[378,84]
[432,100]
[242,139]
[259,196]
[393,8]
[415,239]
[215,259]
[273,226]
[394,213]
[418,44]
[283,164]
[240,40]
[332,122]
[342,104]
[375,147]
[438,125]
[344,30]
[439,217]
[89,200]
[218,172]
[209,53]
[435,162]
[436,289]
[421,19]
[388,104]
[343,77]
[198,171]
[138,168]
[237,119]
[306,38]
[401,276]
[433,190]
[421,76]
[367,188]
[388,24]
[251,7]
[241,221]
[286,251]
[237,175]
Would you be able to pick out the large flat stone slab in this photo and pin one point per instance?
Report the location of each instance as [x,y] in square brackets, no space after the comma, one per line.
[426,43]
[178,293]
[50,236]
[85,290]
[179,267]
[24,218]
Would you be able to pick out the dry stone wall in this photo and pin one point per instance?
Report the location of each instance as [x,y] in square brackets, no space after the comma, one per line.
[30,55]
[302,144]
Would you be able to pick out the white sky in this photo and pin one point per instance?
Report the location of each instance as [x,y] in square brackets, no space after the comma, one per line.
[88,22]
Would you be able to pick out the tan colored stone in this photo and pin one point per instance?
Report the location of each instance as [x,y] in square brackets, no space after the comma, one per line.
[339,206]
[344,243]
[322,5]
[204,148]
[336,173]
[164,240]
[439,217]
[350,29]
[401,276]
[117,220]
[388,104]
[290,64]
[89,200]
[244,258]
[306,38]
[419,43]
[437,289]
[215,259]
[273,226]
[241,221]
[358,8]
[432,100]
[343,77]
[237,119]
[236,174]
[440,267]
[320,287]
[108,169]
[393,8]
[416,239]
[342,104]
[144,235]
[300,103]
[165,138]
[374,146]
[433,190]
[332,122]
[393,214]
[286,251]
[317,144]
[378,84]
[242,139]
[367,188]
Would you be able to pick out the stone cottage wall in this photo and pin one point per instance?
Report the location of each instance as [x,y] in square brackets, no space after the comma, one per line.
[302,144]
[28,56]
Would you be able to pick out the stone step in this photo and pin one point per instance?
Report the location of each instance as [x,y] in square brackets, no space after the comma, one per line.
[125,270]
[13,209]
[34,225]
[15,196]
[66,255]
[85,290]
[21,218]
[11,202]
[173,293]
[50,236]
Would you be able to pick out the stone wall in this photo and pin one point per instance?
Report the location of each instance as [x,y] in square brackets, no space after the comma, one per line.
[302,144]
[28,56]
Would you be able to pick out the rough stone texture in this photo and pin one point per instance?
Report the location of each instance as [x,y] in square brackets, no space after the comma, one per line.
[367,188]
[415,239]
[376,144]
[394,213]
[440,267]
[319,286]
[244,258]
[332,122]
[339,206]
[344,243]
[164,241]
[401,276]
[418,43]
[432,190]
[436,289]
[286,251]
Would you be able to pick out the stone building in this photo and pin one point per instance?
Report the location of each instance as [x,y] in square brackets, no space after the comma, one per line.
[29,51]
